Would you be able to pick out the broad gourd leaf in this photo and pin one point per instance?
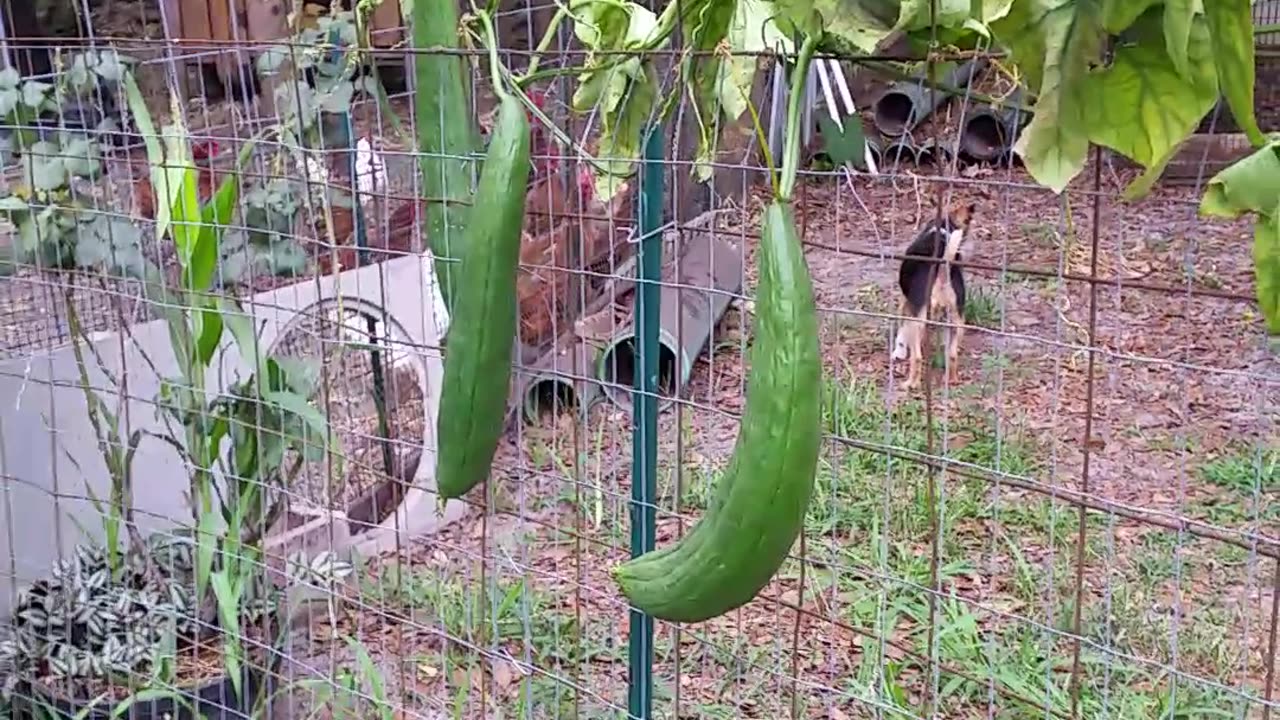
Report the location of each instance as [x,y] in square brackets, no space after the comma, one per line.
[707,28]
[284,257]
[626,97]
[613,25]
[857,26]
[79,75]
[751,31]
[1142,184]
[1054,47]
[297,99]
[34,230]
[1266,266]
[1140,106]
[919,14]
[1250,185]
[798,17]
[1231,26]
[300,407]
[301,375]
[237,259]
[1118,15]
[993,10]
[1177,32]
[9,78]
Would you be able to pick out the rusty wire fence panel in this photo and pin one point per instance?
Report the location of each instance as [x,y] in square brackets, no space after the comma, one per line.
[1085,523]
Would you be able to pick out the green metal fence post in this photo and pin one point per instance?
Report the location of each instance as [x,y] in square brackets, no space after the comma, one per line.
[644,415]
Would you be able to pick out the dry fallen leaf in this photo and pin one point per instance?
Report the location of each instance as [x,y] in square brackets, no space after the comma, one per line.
[503,674]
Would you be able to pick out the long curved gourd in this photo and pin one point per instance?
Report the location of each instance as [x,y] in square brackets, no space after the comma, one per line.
[482,329]
[760,504]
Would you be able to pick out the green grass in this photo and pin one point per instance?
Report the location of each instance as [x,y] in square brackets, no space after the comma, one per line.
[982,309]
[1244,470]
[869,541]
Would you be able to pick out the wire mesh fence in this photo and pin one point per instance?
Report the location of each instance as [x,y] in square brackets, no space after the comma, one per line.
[1081,522]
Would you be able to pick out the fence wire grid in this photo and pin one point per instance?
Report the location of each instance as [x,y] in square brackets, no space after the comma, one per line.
[1085,522]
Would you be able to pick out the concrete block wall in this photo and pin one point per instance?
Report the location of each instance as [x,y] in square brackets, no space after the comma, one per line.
[49,459]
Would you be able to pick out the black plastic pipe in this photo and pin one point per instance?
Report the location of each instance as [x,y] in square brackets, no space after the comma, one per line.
[988,133]
[906,104]
[901,152]
[933,152]
[710,278]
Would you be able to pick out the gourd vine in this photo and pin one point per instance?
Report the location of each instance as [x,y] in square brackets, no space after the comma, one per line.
[1134,76]
[739,544]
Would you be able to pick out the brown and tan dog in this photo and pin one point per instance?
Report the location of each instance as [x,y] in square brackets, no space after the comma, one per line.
[939,301]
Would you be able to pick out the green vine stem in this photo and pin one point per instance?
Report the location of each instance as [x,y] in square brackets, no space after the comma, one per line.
[495,65]
[791,150]
[548,37]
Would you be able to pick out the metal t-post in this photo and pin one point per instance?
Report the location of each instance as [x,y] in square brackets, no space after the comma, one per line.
[363,258]
[644,415]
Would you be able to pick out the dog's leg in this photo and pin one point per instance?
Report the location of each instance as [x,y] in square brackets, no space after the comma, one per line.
[953,351]
[915,352]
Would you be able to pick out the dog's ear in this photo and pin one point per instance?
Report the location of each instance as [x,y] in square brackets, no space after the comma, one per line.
[962,214]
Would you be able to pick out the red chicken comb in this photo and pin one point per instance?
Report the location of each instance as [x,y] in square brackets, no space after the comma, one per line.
[586,182]
[539,100]
[204,149]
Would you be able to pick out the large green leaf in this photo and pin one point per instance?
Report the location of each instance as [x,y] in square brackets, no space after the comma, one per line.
[614,25]
[751,31]
[626,97]
[1177,32]
[1142,184]
[1253,185]
[1231,25]
[1266,267]
[859,25]
[1140,106]
[708,26]
[921,14]
[1054,45]
[1120,14]
[1250,185]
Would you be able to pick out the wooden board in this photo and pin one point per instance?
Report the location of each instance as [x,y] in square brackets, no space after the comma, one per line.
[1203,155]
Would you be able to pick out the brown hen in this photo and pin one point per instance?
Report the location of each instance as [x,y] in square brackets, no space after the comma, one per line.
[385,241]
[569,236]
[203,153]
